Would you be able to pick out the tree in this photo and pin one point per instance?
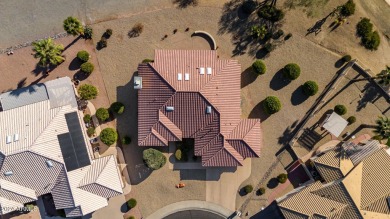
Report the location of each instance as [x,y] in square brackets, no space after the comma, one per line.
[48,52]
[384,77]
[271,105]
[310,88]
[87,68]
[131,203]
[87,92]
[291,71]
[102,114]
[108,136]
[382,129]
[371,41]
[364,27]
[73,26]
[282,178]
[340,109]
[154,159]
[248,189]
[83,56]
[259,67]
[117,107]
[348,8]
[270,13]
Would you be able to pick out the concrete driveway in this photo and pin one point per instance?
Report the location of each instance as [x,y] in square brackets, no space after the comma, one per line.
[113,210]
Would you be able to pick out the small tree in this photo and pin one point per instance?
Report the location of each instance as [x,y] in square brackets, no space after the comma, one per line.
[73,26]
[272,105]
[291,71]
[248,189]
[340,109]
[102,114]
[88,32]
[154,159]
[364,27]
[348,8]
[136,30]
[117,107]
[259,32]
[48,52]
[261,191]
[382,129]
[259,67]
[87,118]
[83,56]
[371,41]
[131,203]
[108,136]
[282,178]
[87,92]
[310,88]
[384,77]
[351,120]
[126,140]
[270,13]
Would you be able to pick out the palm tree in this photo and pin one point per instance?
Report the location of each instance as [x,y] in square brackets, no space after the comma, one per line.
[382,129]
[48,52]
[384,77]
[73,26]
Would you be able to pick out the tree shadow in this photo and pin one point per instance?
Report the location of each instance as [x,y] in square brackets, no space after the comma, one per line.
[124,208]
[272,183]
[39,70]
[339,63]
[185,3]
[75,64]
[21,83]
[370,95]
[262,53]
[278,81]
[79,75]
[73,42]
[258,112]
[242,192]
[248,76]
[317,27]
[298,96]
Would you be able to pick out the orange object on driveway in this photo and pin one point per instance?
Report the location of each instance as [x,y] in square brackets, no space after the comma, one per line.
[180,185]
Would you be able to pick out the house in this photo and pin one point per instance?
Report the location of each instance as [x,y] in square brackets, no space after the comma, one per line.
[355,185]
[44,150]
[193,94]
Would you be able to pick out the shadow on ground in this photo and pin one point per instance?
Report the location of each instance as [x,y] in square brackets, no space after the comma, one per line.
[278,81]
[248,76]
[272,183]
[271,211]
[258,112]
[74,64]
[298,96]
[185,3]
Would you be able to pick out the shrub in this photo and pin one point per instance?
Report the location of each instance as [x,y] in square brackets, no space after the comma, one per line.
[136,30]
[346,58]
[30,207]
[126,140]
[108,136]
[117,107]
[108,33]
[364,27]
[87,118]
[272,105]
[88,32]
[73,26]
[351,120]
[269,47]
[291,71]
[154,159]
[271,13]
[259,31]
[288,36]
[178,154]
[310,88]
[102,114]
[131,217]
[87,68]
[147,60]
[90,131]
[261,191]
[249,6]
[340,109]
[278,34]
[248,189]
[282,178]
[102,43]
[87,92]
[371,41]
[83,56]
[131,203]
[259,67]
[348,8]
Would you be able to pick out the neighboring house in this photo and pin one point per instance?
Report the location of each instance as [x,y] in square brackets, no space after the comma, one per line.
[44,149]
[193,94]
[356,185]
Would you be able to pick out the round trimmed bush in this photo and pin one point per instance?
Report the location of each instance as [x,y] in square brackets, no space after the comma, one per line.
[310,88]
[87,92]
[291,71]
[346,58]
[178,154]
[88,32]
[248,189]
[102,114]
[87,118]
[340,109]
[259,67]
[154,159]
[83,56]
[117,107]
[249,6]
[108,136]
[90,131]
[126,140]
[87,68]
[282,178]
[351,120]
[272,105]
[261,191]
[131,203]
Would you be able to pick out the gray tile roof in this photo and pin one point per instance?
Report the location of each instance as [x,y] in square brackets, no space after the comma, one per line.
[23,96]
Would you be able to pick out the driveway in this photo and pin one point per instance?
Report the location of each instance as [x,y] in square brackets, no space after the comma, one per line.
[113,210]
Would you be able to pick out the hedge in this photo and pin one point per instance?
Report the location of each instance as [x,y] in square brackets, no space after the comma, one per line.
[282,178]
[248,189]
[131,203]
[117,107]
[291,71]
[272,105]
[87,68]
[340,109]
[259,67]
[102,114]
[87,92]
[108,136]
[310,88]
[154,159]
[83,56]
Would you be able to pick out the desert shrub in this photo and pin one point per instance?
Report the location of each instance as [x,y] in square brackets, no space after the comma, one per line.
[154,159]
[131,203]
[261,191]
[269,47]
[136,30]
[371,41]
[90,131]
[178,154]
[73,26]
[346,58]
[108,136]
[88,32]
[259,67]
[126,140]
[102,43]
[272,105]
[117,107]
[131,217]
[249,6]
[248,189]
[271,13]
[108,33]
[291,71]
[310,88]
[348,8]
[364,27]
[83,56]
[340,109]
[87,68]
[288,36]
[282,178]
[102,114]
[259,32]
[87,92]
[278,34]
[87,118]
[351,120]
[147,60]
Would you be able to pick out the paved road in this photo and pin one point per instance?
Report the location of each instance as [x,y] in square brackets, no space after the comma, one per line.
[22,21]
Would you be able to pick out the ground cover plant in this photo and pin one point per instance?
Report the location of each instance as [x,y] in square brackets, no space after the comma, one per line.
[248,189]
[108,136]
[91,131]
[73,26]
[87,118]
[154,159]
[87,92]
[131,203]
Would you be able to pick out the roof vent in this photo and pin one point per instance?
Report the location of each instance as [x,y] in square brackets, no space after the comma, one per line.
[170,108]
[8,139]
[49,163]
[209,71]
[187,76]
[8,173]
[179,76]
[208,109]
[201,70]
[137,82]
[16,137]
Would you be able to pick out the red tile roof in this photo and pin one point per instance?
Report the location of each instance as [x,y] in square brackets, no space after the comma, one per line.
[221,137]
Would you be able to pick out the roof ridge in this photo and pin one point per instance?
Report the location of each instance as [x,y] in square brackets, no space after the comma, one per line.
[111,157]
[163,79]
[162,123]
[159,136]
[104,160]
[228,61]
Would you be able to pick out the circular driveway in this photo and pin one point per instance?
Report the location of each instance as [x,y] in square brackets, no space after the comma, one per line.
[194,214]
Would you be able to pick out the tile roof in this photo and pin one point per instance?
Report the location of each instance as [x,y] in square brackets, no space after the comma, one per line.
[206,107]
